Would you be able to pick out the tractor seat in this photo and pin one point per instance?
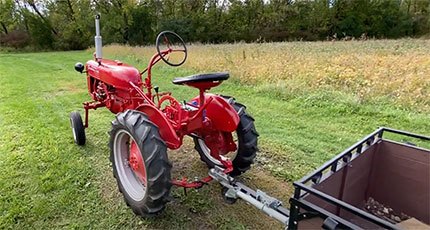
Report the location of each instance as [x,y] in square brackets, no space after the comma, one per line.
[201,78]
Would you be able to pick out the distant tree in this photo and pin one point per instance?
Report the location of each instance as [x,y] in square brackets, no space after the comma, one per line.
[74,21]
[6,16]
[141,23]
[69,24]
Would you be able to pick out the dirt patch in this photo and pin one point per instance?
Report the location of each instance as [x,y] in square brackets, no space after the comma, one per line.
[69,87]
[186,162]
[65,88]
[203,208]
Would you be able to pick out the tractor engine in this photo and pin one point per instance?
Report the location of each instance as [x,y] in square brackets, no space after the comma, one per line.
[109,83]
[101,91]
[116,100]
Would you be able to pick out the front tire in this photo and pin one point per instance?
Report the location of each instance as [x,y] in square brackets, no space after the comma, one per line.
[247,139]
[145,184]
[78,128]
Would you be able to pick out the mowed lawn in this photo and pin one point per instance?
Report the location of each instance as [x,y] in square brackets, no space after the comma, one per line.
[46,181]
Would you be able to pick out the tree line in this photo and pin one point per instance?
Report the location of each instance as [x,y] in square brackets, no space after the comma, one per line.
[69,24]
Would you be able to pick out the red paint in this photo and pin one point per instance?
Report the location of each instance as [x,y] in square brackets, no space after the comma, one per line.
[222,115]
[114,74]
[136,162]
[220,143]
[199,183]
[167,132]
[118,87]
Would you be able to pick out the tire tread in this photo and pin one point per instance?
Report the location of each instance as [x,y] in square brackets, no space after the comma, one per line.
[248,142]
[158,167]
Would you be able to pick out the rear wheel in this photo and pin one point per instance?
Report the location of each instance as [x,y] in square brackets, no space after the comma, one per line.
[246,138]
[140,163]
[78,128]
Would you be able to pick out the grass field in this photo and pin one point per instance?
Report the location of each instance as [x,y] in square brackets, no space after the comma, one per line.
[48,182]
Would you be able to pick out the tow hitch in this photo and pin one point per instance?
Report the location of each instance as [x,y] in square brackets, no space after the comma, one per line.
[269,205]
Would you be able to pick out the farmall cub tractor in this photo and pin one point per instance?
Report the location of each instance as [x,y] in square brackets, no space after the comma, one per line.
[149,122]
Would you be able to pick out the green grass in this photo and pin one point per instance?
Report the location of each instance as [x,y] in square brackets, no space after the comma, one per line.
[48,182]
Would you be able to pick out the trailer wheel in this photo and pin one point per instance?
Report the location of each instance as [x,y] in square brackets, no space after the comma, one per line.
[139,162]
[247,138]
[78,128]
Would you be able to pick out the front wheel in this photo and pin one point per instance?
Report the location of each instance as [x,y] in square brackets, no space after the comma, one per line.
[246,141]
[140,164]
[78,128]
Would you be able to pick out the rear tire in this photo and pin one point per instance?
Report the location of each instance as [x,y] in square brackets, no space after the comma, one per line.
[247,142]
[78,128]
[146,198]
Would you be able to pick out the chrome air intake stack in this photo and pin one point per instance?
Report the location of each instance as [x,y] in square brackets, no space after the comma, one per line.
[98,40]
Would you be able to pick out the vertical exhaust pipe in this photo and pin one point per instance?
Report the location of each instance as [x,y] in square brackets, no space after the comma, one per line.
[98,40]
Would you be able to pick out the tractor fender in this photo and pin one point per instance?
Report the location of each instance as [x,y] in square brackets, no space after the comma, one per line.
[167,132]
[222,115]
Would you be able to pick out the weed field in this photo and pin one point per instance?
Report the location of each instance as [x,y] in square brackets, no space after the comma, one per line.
[386,70]
[306,99]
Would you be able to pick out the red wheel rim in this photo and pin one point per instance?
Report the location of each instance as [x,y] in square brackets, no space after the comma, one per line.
[136,162]
[131,175]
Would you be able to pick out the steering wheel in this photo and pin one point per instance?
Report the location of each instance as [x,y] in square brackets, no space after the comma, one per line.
[169,42]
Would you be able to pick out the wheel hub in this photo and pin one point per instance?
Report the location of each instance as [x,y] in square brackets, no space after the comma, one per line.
[136,162]
[220,143]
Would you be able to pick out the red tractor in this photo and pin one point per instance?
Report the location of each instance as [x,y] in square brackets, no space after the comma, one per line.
[148,122]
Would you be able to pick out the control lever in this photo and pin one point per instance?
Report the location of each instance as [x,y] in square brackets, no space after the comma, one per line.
[156,88]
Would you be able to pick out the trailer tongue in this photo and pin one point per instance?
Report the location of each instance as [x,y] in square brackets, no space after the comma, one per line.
[269,205]
[335,195]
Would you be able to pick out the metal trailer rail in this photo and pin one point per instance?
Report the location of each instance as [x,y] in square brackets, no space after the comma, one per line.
[290,217]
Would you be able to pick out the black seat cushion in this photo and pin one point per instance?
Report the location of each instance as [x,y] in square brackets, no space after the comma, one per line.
[205,77]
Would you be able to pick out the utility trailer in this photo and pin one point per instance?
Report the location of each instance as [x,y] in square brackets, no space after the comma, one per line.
[335,196]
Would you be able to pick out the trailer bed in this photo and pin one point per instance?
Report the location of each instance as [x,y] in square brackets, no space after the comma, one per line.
[393,175]
[377,183]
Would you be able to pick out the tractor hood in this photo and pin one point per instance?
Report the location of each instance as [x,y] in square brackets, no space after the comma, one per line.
[114,73]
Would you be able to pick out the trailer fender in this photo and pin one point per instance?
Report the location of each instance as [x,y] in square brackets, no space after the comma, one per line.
[167,132]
